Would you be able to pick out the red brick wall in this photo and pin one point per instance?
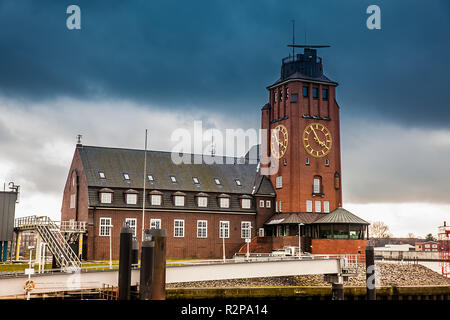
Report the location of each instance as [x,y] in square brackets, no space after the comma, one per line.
[188,246]
[338,246]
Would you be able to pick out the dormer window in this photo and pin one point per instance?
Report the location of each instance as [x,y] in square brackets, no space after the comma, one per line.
[101,174]
[246,203]
[173,179]
[238,182]
[224,201]
[155,198]
[126,176]
[195,180]
[131,196]
[106,195]
[202,201]
[179,199]
[217,181]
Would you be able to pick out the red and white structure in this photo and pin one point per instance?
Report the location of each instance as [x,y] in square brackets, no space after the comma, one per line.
[444,249]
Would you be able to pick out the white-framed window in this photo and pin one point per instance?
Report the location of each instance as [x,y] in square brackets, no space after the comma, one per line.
[316,185]
[279,182]
[309,206]
[217,181]
[72,200]
[307,160]
[126,176]
[246,229]
[156,199]
[105,227]
[150,177]
[246,203]
[326,206]
[202,229]
[238,182]
[202,202]
[224,229]
[224,202]
[281,206]
[195,179]
[178,228]
[268,203]
[327,162]
[261,232]
[106,197]
[132,224]
[287,93]
[173,179]
[74,178]
[101,174]
[131,198]
[261,203]
[317,206]
[155,223]
[179,201]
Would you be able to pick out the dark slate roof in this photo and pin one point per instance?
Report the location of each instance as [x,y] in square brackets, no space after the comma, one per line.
[114,162]
[294,218]
[301,76]
[340,215]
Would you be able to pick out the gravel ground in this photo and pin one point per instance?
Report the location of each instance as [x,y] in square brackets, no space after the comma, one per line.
[391,275]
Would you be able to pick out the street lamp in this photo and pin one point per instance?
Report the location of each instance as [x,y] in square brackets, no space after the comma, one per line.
[248,240]
[110,247]
[299,240]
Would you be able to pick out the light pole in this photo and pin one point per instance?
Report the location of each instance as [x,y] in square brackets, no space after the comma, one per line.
[299,240]
[110,247]
[248,240]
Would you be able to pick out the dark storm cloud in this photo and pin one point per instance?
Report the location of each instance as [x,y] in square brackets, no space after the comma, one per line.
[221,55]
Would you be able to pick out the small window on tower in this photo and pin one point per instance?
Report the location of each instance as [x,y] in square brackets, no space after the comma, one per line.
[315,93]
[305,92]
[307,161]
[325,94]
[287,94]
[275,97]
[281,95]
[327,162]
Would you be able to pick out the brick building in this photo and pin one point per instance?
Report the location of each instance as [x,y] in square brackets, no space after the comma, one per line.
[297,185]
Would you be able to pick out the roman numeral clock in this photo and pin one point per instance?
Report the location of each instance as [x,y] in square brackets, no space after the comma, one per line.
[317,140]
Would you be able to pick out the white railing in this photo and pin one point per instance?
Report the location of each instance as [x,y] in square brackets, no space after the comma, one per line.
[72,226]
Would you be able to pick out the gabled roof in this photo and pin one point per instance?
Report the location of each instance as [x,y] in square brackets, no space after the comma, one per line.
[114,162]
[340,215]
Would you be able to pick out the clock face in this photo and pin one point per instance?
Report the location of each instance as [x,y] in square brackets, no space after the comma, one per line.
[317,140]
[279,141]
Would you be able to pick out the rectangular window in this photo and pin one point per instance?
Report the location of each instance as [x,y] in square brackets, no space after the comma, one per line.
[307,161]
[305,92]
[246,203]
[268,203]
[132,224]
[72,201]
[281,206]
[327,162]
[126,176]
[318,206]
[287,94]
[156,200]
[150,178]
[202,202]
[316,185]
[202,227]
[224,229]
[105,226]
[106,197]
[261,203]
[102,175]
[238,182]
[315,93]
[224,202]
[279,182]
[275,99]
[308,205]
[281,95]
[246,229]
[131,198]
[261,232]
[178,230]
[173,179]
[179,201]
[195,180]
[217,181]
[325,94]
[155,223]
[326,206]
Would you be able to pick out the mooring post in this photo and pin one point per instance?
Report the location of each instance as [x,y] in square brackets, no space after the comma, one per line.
[126,234]
[147,265]
[159,268]
[337,291]
[135,253]
[370,273]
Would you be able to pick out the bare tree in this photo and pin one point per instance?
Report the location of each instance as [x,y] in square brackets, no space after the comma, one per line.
[411,235]
[379,229]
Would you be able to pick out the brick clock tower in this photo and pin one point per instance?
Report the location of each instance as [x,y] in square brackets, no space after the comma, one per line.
[303,135]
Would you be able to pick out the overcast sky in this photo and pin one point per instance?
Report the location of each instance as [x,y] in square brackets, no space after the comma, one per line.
[162,65]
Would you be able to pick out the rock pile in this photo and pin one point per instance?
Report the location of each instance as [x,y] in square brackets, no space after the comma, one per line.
[390,274]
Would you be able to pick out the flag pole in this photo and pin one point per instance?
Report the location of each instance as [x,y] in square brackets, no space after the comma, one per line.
[143,193]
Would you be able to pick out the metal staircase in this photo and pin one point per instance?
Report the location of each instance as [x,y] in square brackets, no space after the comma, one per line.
[51,234]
